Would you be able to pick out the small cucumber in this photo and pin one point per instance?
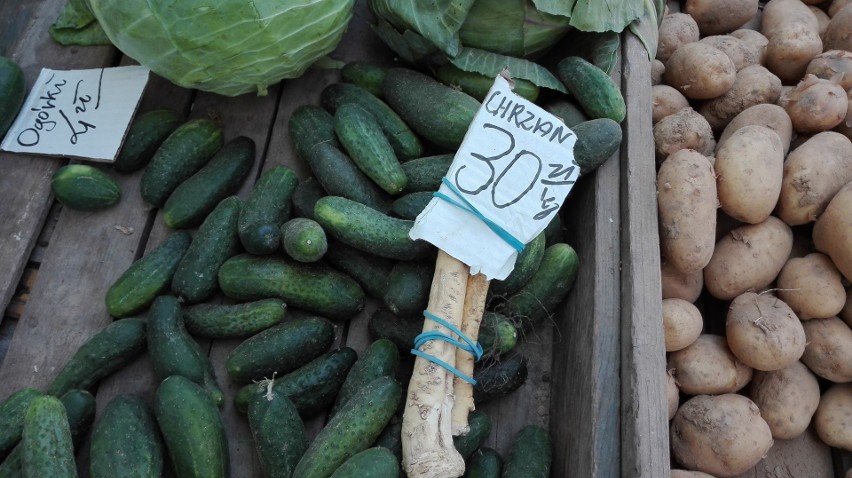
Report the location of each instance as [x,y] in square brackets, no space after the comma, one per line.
[266,209]
[484,463]
[280,349]
[279,433]
[376,462]
[381,358]
[383,324]
[303,239]
[181,155]
[110,349]
[530,454]
[84,188]
[48,449]
[595,90]
[370,271]
[215,242]
[497,334]
[352,429]
[391,438]
[147,278]
[480,427]
[597,140]
[310,125]
[408,287]
[526,264]
[146,134]
[497,377]
[314,287]
[231,321]
[305,196]
[477,85]
[126,441]
[174,352]
[425,174]
[364,74]
[192,429]
[13,88]
[339,175]
[568,112]
[194,198]
[362,137]
[368,230]
[12,411]
[411,205]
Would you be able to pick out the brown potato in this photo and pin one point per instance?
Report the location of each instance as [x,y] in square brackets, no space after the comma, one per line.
[829,349]
[838,35]
[813,173]
[686,201]
[676,29]
[772,116]
[700,71]
[682,323]
[723,435]
[780,12]
[685,129]
[672,394]
[716,17]
[787,399]
[666,101]
[657,70]
[815,105]
[811,286]
[754,85]
[676,284]
[763,332]
[740,52]
[836,6]
[833,418]
[755,40]
[833,231]
[822,20]
[748,259]
[791,47]
[708,366]
[833,65]
[845,127]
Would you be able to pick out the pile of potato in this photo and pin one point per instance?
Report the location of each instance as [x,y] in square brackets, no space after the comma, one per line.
[752,116]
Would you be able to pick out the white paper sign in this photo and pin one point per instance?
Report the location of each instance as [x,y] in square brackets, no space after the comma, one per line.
[78,113]
[515,166]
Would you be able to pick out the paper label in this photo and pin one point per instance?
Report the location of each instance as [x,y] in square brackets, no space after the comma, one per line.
[78,113]
[515,166]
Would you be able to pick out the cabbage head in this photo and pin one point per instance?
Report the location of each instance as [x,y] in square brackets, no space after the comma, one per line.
[229,47]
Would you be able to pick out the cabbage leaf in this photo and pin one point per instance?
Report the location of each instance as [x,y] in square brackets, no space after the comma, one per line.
[491,64]
[595,15]
[77,26]
[646,28]
[438,21]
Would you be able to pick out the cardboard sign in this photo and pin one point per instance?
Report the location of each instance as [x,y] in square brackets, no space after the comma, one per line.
[515,167]
[78,113]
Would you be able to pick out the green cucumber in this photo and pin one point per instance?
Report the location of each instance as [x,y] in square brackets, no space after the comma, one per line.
[12,92]
[368,230]
[215,242]
[48,449]
[310,125]
[381,358]
[107,351]
[174,352]
[477,85]
[147,278]
[530,454]
[126,441]
[266,209]
[435,111]
[597,93]
[568,112]
[497,334]
[425,174]
[364,74]
[192,429]
[497,377]
[84,188]
[354,427]
[408,287]
[279,433]
[230,321]
[526,264]
[194,198]
[339,175]
[280,349]
[391,437]
[480,428]
[146,134]
[370,271]
[484,463]
[181,155]
[597,141]
[303,239]
[383,324]
[305,196]
[411,205]
[312,388]
[313,287]
[362,138]
[12,411]
[376,462]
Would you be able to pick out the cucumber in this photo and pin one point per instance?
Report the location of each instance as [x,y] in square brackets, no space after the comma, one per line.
[192,429]
[526,264]
[554,232]
[84,188]
[215,242]
[12,411]
[597,140]
[266,209]
[174,352]
[194,198]
[280,349]
[497,334]
[48,449]
[231,321]
[381,358]
[146,134]
[370,271]
[147,278]
[425,174]
[568,112]
[368,230]
[303,239]
[376,462]
[352,429]
[480,427]
[597,93]
[305,196]
[312,388]
[181,155]
[383,324]
[126,441]
[310,125]
[364,74]
[477,85]
[408,287]
[279,434]
[340,176]
[313,287]
[498,377]
[530,454]
[107,351]
[411,205]
[362,138]
[391,437]
[402,139]
[12,92]
[484,463]
[433,110]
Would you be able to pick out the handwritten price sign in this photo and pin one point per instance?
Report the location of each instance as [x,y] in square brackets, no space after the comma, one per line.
[78,113]
[515,167]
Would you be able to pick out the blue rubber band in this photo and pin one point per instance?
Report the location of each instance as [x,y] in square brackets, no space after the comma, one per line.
[467,206]
[468,345]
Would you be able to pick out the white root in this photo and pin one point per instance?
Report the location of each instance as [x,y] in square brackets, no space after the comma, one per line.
[474,306]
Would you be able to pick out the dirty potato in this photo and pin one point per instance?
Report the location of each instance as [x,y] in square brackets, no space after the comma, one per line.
[833,231]
[763,332]
[682,323]
[700,71]
[685,129]
[815,105]
[675,30]
[811,286]
[787,399]
[833,418]
[708,366]
[666,101]
[829,349]
[676,284]
[716,17]
[772,116]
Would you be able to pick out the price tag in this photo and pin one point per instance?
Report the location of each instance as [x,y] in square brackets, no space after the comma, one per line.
[78,113]
[515,167]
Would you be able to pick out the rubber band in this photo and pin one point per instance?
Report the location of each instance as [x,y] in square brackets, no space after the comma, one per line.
[467,206]
[468,345]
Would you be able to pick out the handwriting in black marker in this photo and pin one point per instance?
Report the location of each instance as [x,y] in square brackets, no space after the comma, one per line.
[488,160]
[563,173]
[523,154]
[80,100]
[548,205]
[74,133]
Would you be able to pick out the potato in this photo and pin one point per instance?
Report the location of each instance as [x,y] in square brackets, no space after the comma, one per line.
[833,64]
[763,332]
[845,127]
[685,129]
[723,435]
[838,35]
[748,259]
[676,284]
[686,203]
[715,17]
[708,366]
[813,173]
[791,47]
[700,71]
[657,70]
[676,29]
[749,169]
[833,231]
[753,85]
[772,116]
[829,349]
[833,418]
[665,101]
[682,323]
[815,105]
[781,12]
[787,399]
[740,53]
[822,20]
[672,394]
[755,40]
[836,6]
[811,286]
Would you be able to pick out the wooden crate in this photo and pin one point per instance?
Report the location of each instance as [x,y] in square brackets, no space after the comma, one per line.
[595,379]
